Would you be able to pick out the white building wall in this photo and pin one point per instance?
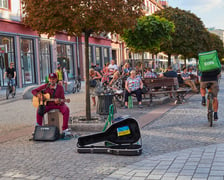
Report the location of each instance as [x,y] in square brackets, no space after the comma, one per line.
[14,13]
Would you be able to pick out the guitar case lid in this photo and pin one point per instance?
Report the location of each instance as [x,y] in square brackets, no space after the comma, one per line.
[123,135]
[125,131]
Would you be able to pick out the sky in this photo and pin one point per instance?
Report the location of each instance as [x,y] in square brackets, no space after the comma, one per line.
[211,12]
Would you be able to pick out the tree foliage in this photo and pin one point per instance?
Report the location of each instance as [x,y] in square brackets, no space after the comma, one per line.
[81,16]
[77,16]
[148,33]
[215,43]
[189,37]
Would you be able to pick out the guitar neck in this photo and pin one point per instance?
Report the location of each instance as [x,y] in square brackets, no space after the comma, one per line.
[62,100]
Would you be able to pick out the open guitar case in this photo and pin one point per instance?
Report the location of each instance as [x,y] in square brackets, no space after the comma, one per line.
[121,138]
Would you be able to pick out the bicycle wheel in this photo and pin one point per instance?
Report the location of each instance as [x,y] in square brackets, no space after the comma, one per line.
[210,118]
[74,89]
[78,86]
[119,97]
[210,109]
[7,93]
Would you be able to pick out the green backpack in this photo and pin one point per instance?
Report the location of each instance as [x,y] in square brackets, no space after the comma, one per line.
[209,61]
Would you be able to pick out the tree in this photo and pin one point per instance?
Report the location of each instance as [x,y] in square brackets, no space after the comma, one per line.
[148,34]
[216,44]
[81,16]
[189,37]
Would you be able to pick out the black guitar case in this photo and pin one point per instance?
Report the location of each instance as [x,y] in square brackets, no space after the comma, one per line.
[122,138]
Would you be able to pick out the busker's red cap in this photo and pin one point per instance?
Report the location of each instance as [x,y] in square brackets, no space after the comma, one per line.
[52,75]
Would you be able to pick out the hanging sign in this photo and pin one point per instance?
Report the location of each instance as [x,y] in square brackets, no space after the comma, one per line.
[2,49]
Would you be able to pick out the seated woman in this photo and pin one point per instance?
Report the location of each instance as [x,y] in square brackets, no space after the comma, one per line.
[187,80]
[126,70]
[133,85]
[116,82]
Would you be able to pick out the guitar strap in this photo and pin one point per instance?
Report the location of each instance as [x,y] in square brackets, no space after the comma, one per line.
[54,91]
[41,108]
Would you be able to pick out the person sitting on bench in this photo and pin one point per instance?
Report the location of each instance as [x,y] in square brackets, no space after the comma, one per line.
[187,80]
[57,101]
[133,85]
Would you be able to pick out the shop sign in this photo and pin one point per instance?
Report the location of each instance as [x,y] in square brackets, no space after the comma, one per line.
[2,49]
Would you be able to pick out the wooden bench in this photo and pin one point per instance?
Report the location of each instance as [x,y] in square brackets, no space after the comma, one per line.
[166,86]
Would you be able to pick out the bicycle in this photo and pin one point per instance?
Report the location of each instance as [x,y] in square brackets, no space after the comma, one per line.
[76,85]
[9,89]
[210,105]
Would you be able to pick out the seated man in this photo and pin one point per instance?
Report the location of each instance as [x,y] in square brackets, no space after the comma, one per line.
[169,73]
[187,80]
[56,92]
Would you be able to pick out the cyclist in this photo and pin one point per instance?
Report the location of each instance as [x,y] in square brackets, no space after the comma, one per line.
[11,75]
[212,79]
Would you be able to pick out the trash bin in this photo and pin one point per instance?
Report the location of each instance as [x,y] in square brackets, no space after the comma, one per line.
[103,104]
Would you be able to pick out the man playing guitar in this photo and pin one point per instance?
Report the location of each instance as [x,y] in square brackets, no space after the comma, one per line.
[56,92]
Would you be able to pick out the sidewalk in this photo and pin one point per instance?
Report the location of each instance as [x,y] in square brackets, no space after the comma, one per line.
[200,163]
[19,92]
[190,164]
[177,144]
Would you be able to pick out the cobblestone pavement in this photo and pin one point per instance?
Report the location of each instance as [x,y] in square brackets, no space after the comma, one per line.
[182,127]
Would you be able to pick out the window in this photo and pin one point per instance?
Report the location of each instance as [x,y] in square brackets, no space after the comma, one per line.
[27,61]
[65,58]
[98,56]
[106,55]
[7,55]
[4,4]
[45,59]
[91,55]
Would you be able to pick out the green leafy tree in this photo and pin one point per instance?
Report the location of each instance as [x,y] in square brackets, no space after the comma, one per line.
[216,44]
[189,37]
[81,16]
[148,34]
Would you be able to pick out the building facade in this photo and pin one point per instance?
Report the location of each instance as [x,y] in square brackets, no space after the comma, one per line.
[36,56]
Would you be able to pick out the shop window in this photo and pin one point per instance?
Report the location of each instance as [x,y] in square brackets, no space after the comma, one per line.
[91,55]
[98,56]
[106,55]
[65,59]
[27,61]
[45,59]
[7,55]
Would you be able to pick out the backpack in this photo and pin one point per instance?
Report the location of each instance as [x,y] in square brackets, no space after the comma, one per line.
[209,61]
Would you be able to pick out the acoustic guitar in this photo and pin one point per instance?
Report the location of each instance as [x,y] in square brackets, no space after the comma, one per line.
[44,99]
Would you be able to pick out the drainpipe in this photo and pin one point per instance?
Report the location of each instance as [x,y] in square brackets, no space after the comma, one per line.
[78,63]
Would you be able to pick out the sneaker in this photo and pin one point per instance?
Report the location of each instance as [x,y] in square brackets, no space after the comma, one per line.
[203,101]
[215,116]
[67,133]
[37,124]
[140,106]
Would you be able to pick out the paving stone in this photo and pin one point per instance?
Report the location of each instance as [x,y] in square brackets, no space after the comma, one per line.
[180,137]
